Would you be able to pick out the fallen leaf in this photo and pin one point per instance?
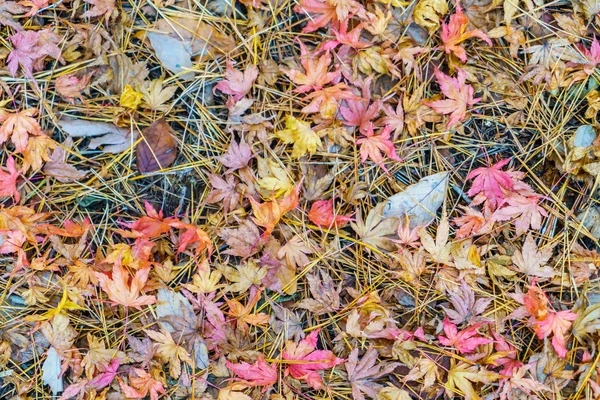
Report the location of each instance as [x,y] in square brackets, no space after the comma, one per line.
[258,374]
[113,138]
[158,150]
[51,371]
[420,201]
[175,55]
[58,168]
[123,291]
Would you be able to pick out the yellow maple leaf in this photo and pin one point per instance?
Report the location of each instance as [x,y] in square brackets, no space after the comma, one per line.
[299,132]
[64,304]
[274,180]
[461,377]
[130,98]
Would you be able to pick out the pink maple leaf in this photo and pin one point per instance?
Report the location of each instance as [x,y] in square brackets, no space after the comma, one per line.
[322,12]
[236,82]
[107,377]
[492,181]
[305,360]
[464,341]
[394,118]
[526,211]
[8,180]
[455,32]
[29,49]
[358,112]
[374,147]
[459,96]
[557,323]
[258,374]
[508,361]
[315,76]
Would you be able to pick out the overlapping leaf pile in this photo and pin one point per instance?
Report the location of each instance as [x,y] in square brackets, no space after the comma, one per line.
[277,199]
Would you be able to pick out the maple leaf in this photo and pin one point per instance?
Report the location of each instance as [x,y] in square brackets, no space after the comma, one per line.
[258,374]
[236,82]
[472,222]
[525,210]
[374,229]
[325,11]
[299,132]
[7,10]
[29,48]
[169,351]
[455,32]
[99,358]
[531,261]
[121,291]
[557,323]
[323,215]
[243,241]
[142,384]
[315,76]
[269,213]
[465,341]
[461,377]
[465,305]
[224,191]
[325,101]
[18,126]
[374,147]
[149,226]
[459,96]
[492,181]
[361,374]
[536,302]
[274,180]
[192,236]
[100,8]
[360,114]
[425,369]
[155,95]
[438,249]
[36,152]
[295,252]
[108,375]
[243,276]
[306,360]
[394,118]
[326,297]
[237,157]
[8,180]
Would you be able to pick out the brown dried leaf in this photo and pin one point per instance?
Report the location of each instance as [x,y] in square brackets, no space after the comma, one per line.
[158,150]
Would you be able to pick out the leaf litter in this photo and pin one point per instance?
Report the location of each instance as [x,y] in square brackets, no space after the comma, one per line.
[276,199]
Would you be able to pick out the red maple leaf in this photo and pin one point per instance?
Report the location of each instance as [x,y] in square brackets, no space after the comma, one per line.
[492,181]
[258,374]
[323,214]
[459,96]
[464,341]
[150,226]
[374,147]
[236,82]
[455,32]
[305,360]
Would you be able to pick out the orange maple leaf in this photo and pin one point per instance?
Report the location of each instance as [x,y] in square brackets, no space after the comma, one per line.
[269,213]
[455,32]
[123,290]
[18,126]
